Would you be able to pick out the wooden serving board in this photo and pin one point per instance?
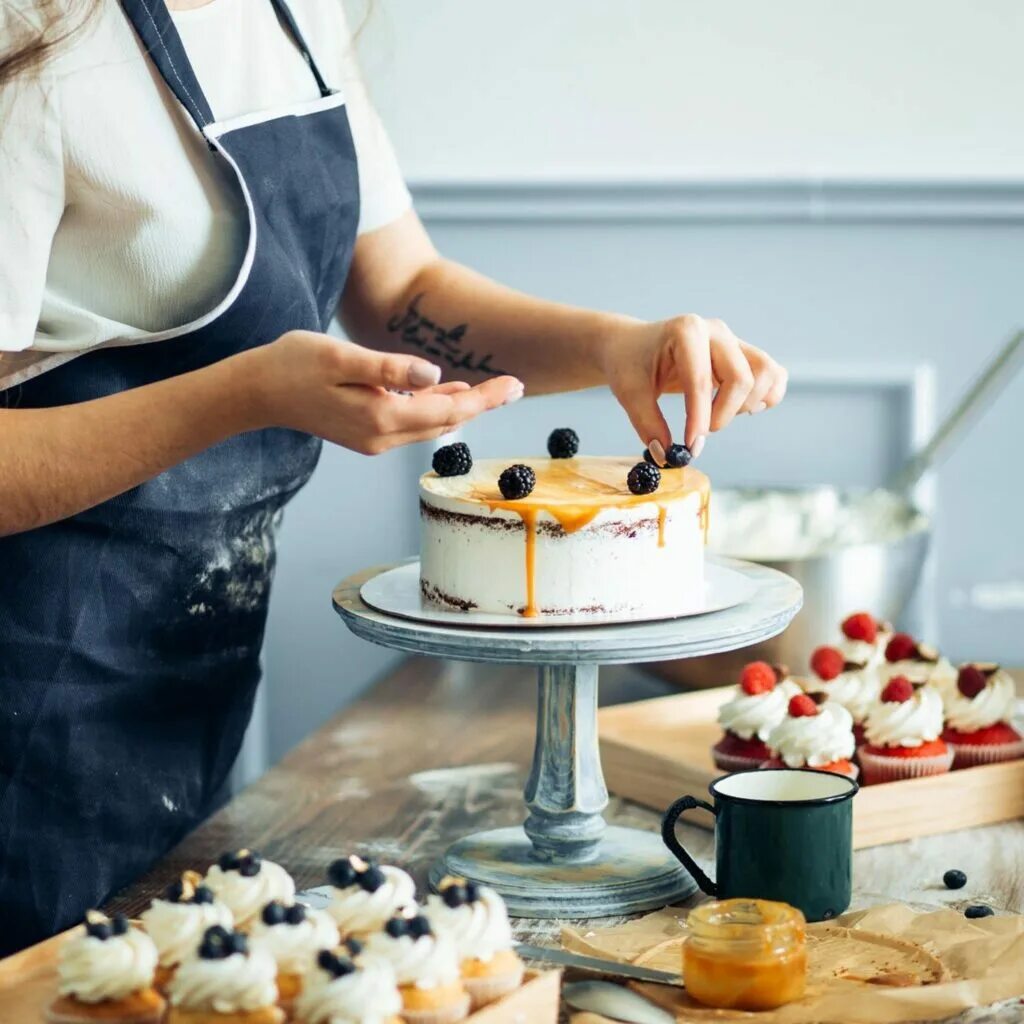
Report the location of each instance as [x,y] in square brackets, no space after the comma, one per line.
[655,751]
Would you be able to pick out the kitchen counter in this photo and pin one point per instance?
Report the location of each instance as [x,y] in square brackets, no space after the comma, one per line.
[440,749]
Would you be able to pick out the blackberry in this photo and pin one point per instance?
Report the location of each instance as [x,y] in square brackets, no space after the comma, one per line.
[644,478]
[452,460]
[954,879]
[563,443]
[678,456]
[517,482]
[978,910]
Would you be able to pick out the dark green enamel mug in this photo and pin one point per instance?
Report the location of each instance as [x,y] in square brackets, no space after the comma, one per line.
[781,834]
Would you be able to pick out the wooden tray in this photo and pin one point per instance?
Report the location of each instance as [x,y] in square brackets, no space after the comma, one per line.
[28,983]
[655,751]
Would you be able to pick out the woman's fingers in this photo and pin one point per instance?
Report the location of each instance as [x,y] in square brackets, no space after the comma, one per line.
[733,373]
[353,364]
[690,345]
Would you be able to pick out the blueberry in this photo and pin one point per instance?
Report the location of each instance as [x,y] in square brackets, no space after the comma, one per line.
[203,894]
[237,943]
[419,926]
[249,865]
[954,879]
[211,951]
[174,892]
[215,943]
[217,934]
[563,443]
[99,930]
[472,892]
[228,861]
[677,456]
[343,966]
[397,927]
[295,914]
[978,910]
[372,879]
[354,947]
[274,913]
[341,874]
[119,924]
[454,895]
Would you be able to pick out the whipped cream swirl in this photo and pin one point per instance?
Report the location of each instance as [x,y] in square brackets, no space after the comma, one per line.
[357,911]
[860,652]
[479,929]
[294,946]
[367,996]
[748,715]
[996,703]
[245,896]
[814,740]
[906,724]
[232,984]
[429,961]
[93,970]
[857,690]
[940,674]
[177,928]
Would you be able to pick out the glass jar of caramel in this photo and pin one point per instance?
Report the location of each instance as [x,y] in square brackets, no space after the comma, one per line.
[745,954]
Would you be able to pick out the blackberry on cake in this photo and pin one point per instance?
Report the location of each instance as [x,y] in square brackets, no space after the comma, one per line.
[643,478]
[563,443]
[517,482]
[452,460]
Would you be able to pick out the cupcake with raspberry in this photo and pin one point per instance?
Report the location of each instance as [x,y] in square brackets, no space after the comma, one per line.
[756,707]
[245,883]
[293,935]
[342,990]
[177,921]
[903,734]
[864,639]
[364,896]
[979,711]
[106,973]
[225,982]
[851,683]
[816,733]
[426,967]
[918,662]
[474,917]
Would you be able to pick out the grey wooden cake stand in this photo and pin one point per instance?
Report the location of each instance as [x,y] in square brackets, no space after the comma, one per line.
[565,861]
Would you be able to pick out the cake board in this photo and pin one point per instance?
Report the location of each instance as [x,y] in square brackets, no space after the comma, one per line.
[565,861]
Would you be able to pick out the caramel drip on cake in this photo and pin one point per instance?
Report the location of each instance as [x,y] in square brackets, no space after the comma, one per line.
[662,513]
[705,513]
[530,522]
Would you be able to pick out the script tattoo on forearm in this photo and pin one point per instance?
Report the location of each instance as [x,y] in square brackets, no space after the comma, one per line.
[441,343]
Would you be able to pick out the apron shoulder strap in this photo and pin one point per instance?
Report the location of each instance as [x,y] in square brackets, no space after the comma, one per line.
[292,27]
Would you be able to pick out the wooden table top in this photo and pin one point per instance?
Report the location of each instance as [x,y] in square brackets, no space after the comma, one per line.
[440,749]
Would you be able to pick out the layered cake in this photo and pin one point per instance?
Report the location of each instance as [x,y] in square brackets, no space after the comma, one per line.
[581,535]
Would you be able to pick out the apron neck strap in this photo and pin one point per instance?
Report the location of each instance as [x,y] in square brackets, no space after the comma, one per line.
[155,28]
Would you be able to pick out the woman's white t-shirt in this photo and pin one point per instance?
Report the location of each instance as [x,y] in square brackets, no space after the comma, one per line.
[116,219]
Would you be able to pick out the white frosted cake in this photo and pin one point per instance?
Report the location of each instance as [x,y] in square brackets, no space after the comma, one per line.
[579,543]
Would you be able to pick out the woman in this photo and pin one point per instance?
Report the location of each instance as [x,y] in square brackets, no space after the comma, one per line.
[189,195]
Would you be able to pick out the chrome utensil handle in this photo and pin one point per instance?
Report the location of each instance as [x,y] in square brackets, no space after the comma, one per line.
[668,835]
[999,372]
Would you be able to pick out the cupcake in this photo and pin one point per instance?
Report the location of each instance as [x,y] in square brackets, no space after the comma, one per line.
[177,922]
[475,919]
[225,982]
[816,733]
[979,710]
[245,883]
[852,683]
[864,639]
[904,734]
[340,990]
[365,896]
[106,974]
[920,663]
[757,706]
[426,968]
[292,935]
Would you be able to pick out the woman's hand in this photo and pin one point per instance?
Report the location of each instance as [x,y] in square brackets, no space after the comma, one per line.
[349,395]
[718,374]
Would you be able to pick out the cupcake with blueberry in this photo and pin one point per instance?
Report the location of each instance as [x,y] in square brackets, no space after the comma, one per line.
[852,683]
[365,896]
[225,982]
[426,968]
[903,734]
[816,733]
[758,705]
[293,935]
[177,921]
[245,883]
[106,974]
[474,917]
[343,990]
[979,711]
[918,662]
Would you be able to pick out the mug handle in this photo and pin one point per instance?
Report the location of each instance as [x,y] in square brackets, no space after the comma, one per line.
[668,835]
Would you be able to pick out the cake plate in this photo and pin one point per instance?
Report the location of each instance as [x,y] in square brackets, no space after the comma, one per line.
[565,861]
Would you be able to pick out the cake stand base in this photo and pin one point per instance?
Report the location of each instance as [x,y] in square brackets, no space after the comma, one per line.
[631,872]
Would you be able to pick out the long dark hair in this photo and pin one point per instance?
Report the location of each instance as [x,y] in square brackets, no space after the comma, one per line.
[59,21]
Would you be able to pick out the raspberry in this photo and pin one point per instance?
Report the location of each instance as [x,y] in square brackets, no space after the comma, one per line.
[757,677]
[970,681]
[827,663]
[898,690]
[452,460]
[860,626]
[563,443]
[644,478]
[516,482]
[901,647]
[802,705]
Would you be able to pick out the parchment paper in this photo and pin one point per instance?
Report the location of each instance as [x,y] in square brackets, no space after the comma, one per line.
[880,966]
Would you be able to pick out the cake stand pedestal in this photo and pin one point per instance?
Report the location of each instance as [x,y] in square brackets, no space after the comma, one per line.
[565,861]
